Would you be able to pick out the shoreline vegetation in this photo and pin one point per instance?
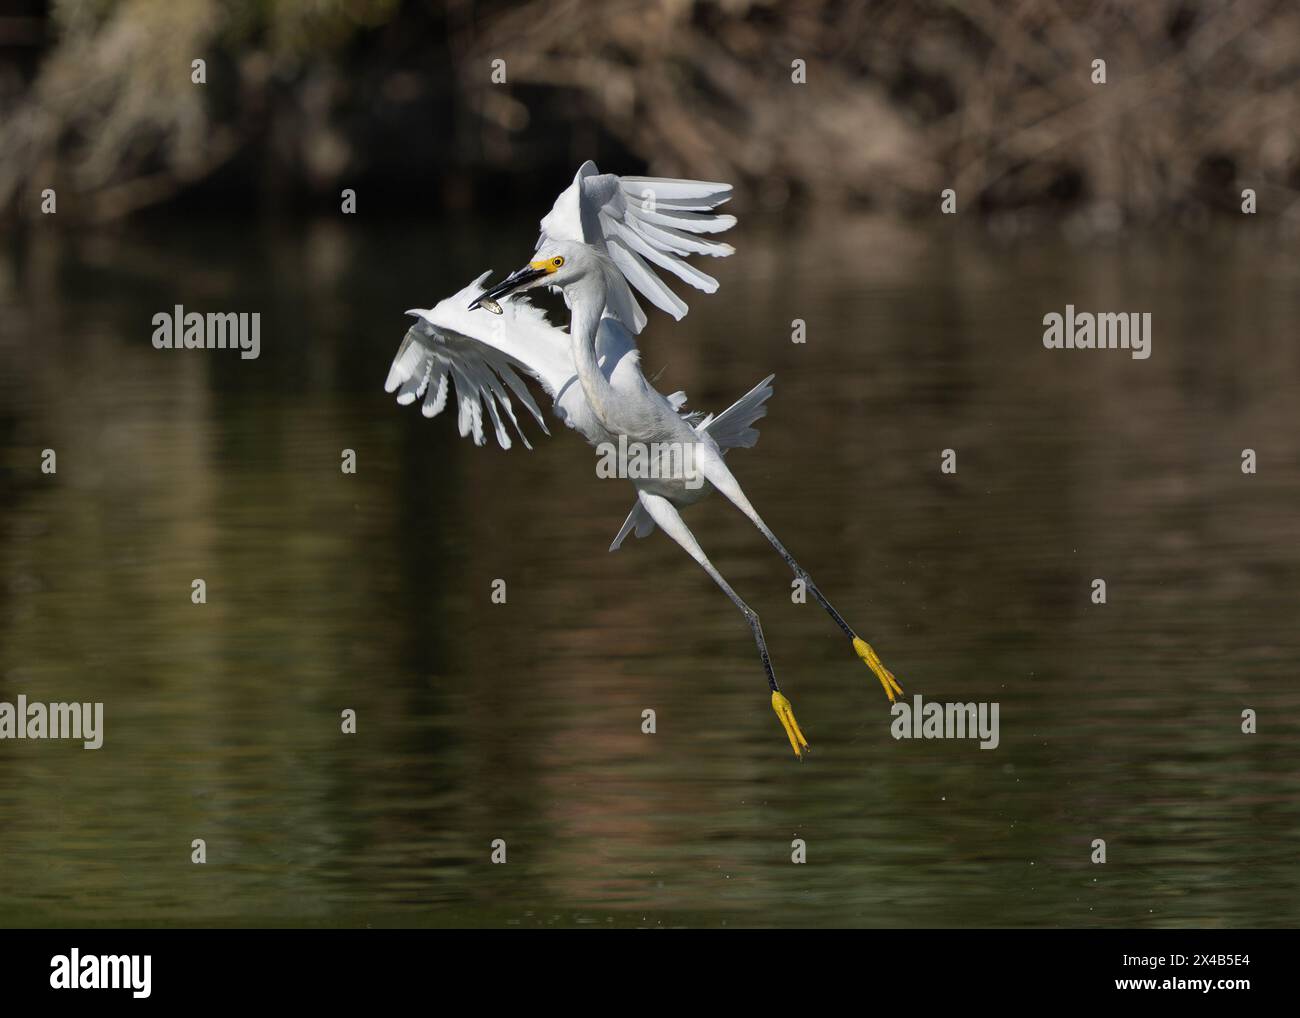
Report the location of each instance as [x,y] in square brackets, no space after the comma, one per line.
[900,101]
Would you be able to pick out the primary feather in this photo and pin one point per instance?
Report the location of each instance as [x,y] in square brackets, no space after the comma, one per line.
[482,356]
[639,222]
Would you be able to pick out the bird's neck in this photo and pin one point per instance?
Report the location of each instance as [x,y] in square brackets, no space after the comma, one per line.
[586,305]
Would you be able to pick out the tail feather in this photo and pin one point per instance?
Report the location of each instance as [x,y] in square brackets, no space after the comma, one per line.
[733,428]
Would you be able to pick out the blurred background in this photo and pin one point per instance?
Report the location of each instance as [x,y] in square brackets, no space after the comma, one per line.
[522,721]
[902,99]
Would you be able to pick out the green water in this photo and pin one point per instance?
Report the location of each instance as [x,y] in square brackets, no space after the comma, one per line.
[522,721]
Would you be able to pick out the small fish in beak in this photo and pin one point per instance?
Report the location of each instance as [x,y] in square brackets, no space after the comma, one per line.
[488,299]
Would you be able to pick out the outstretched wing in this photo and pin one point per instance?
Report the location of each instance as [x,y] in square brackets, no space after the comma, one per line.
[641,223]
[481,355]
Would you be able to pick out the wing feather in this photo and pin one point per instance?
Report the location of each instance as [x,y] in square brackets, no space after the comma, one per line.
[482,357]
[682,270]
[640,222]
[639,274]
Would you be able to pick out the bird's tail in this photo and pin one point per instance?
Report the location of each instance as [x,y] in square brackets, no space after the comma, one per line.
[731,429]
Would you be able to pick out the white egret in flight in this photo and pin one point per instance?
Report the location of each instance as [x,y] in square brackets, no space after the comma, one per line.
[602,235]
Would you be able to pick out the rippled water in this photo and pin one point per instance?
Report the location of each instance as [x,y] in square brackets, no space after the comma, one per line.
[523,721]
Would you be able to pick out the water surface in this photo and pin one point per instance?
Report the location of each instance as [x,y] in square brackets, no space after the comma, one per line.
[522,721]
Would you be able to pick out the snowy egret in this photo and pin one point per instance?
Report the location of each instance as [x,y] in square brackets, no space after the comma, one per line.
[594,248]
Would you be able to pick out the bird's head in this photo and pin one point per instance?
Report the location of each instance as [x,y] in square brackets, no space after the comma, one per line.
[557,263]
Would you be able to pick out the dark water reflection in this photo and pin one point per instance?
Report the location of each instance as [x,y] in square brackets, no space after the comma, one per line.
[522,721]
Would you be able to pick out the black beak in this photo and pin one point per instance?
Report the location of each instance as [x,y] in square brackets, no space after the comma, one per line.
[508,285]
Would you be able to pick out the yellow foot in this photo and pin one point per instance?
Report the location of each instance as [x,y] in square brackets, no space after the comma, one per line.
[873,661]
[785,713]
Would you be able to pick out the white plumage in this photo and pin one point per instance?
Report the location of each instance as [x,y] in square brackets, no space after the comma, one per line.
[605,236]
[481,356]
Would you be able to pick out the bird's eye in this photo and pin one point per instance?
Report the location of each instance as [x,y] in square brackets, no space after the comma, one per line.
[557,261]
